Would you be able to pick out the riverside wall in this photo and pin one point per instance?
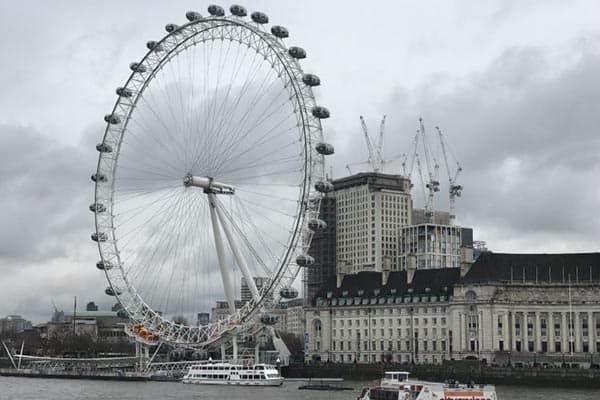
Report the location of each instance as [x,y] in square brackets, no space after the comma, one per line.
[461,371]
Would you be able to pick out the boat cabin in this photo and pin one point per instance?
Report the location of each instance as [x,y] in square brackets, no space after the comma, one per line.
[394,377]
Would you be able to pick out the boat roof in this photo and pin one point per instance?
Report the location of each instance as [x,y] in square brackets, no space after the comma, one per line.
[397,372]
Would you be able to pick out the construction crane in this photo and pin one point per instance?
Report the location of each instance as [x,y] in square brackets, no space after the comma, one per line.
[376,160]
[433,184]
[454,189]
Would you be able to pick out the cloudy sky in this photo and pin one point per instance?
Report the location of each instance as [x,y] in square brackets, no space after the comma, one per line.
[515,85]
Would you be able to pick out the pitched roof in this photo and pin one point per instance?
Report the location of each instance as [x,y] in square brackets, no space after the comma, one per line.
[557,268]
[432,282]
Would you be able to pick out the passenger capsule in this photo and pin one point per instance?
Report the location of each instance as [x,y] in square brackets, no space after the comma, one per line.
[137,67]
[99,237]
[111,292]
[104,265]
[193,16]
[311,80]
[320,112]
[304,260]
[279,31]
[324,186]
[268,319]
[123,92]
[122,313]
[97,207]
[112,119]
[259,17]
[288,293]
[215,10]
[297,52]
[155,46]
[317,224]
[99,178]
[103,148]
[171,27]
[238,11]
[324,148]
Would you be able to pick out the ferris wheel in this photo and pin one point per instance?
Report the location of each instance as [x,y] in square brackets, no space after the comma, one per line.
[211,170]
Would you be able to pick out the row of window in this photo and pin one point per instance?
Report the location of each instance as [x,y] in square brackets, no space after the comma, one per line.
[398,345]
[385,311]
[390,332]
[390,321]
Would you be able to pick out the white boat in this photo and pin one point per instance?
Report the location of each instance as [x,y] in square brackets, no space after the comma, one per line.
[225,373]
[396,385]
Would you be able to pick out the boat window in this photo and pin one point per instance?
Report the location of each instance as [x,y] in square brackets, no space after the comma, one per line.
[262,377]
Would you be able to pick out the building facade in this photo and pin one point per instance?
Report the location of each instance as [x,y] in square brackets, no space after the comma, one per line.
[370,207]
[505,308]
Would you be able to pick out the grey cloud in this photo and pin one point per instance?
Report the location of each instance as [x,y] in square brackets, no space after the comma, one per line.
[526,132]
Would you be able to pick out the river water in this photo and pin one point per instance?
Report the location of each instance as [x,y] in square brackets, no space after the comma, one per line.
[62,389]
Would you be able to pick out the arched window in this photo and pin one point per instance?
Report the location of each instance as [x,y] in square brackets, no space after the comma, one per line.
[317,328]
[470,295]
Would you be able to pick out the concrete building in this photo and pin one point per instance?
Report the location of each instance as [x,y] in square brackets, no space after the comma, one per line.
[100,325]
[370,207]
[363,215]
[505,308]
[14,324]
[221,310]
[245,293]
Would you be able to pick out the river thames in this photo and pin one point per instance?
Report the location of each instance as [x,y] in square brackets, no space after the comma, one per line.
[58,389]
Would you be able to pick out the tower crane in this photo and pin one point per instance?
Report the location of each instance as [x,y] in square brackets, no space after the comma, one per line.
[454,189]
[433,184]
[376,160]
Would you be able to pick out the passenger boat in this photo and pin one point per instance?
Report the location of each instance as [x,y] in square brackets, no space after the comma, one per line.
[225,373]
[396,385]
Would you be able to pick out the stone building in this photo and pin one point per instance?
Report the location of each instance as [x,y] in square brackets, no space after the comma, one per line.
[542,308]
[367,319]
[505,308]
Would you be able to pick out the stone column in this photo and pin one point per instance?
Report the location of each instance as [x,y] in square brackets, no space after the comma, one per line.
[511,328]
[461,333]
[537,333]
[551,348]
[564,333]
[525,341]
[591,332]
[505,332]
[480,327]
[578,334]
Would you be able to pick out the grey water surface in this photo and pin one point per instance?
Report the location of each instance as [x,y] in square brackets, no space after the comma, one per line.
[63,389]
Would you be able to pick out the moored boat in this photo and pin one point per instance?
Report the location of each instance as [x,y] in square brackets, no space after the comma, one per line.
[225,373]
[396,385]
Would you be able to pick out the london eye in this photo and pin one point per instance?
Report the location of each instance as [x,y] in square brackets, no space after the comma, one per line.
[210,169]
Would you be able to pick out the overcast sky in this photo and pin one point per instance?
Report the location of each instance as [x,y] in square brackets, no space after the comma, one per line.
[515,85]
